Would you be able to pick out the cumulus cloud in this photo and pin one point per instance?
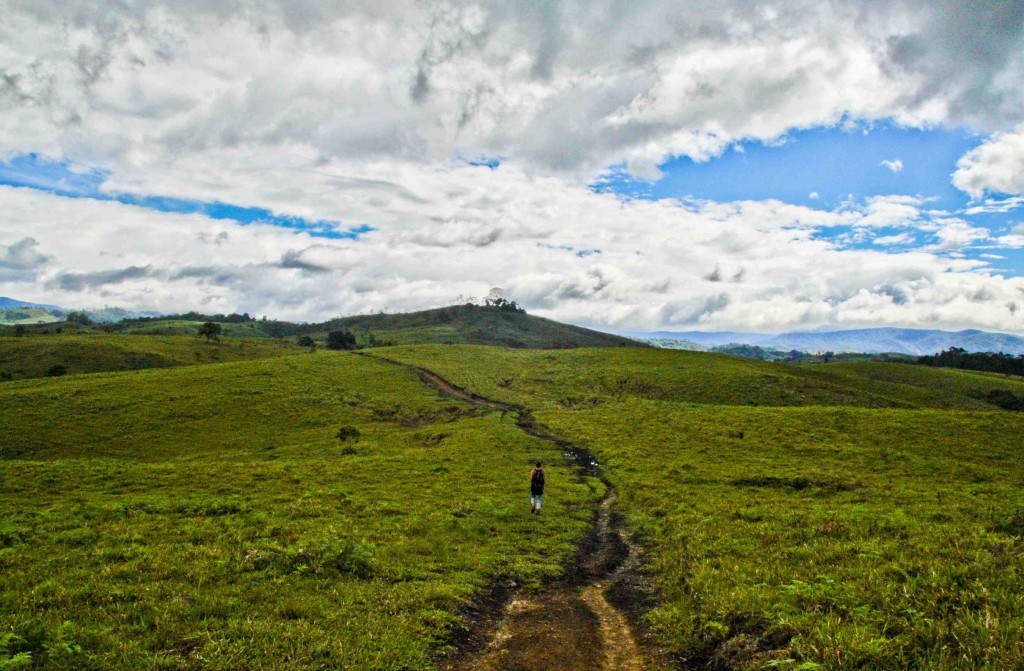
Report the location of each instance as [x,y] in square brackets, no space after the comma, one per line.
[997,167]
[21,255]
[662,263]
[567,86]
[891,211]
[895,165]
[954,234]
[897,239]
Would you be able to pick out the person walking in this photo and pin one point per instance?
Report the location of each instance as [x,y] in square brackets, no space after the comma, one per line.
[536,488]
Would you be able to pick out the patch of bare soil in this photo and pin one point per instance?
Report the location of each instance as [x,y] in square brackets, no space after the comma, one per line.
[550,630]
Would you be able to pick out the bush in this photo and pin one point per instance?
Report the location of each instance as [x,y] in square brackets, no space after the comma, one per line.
[347,433]
[305,341]
[56,370]
[341,340]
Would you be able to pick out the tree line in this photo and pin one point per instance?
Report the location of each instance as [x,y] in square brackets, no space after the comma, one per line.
[989,362]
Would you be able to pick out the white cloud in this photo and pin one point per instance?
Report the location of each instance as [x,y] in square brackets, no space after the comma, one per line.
[662,263]
[997,166]
[568,87]
[891,211]
[954,234]
[895,165]
[814,195]
[21,255]
[898,239]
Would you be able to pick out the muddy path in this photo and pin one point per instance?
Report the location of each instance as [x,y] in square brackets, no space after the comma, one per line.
[570,626]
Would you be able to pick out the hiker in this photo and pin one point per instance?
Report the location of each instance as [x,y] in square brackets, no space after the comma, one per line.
[536,488]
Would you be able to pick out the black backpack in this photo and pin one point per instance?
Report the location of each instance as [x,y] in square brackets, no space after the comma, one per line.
[537,482]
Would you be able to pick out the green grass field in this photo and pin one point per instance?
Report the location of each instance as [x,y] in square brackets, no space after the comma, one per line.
[208,517]
[32,356]
[882,532]
[181,327]
[12,316]
[842,516]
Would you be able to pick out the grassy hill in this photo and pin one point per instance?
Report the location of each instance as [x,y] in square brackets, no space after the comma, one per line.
[477,325]
[249,329]
[208,516]
[34,356]
[113,347]
[13,316]
[462,324]
[841,516]
[883,530]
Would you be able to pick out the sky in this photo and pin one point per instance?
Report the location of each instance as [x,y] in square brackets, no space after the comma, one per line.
[630,166]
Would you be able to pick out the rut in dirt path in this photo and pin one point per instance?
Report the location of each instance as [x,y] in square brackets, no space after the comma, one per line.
[570,626]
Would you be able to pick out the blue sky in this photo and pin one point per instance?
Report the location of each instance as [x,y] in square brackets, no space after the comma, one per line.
[63,179]
[833,162]
[833,167]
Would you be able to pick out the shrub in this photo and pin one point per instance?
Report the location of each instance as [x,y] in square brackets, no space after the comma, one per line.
[56,370]
[347,433]
[341,340]
[305,341]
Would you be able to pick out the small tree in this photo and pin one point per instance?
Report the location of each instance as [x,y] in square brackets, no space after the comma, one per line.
[305,341]
[341,340]
[210,330]
[19,330]
[494,295]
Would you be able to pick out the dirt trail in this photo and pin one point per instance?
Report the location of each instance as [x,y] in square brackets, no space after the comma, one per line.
[571,626]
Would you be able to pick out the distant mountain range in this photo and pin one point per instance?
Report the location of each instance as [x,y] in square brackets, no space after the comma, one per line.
[6,302]
[873,340]
[107,314]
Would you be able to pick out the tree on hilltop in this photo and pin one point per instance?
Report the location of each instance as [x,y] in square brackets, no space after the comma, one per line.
[210,330]
[496,299]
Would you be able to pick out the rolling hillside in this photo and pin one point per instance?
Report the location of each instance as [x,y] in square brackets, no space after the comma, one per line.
[35,355]
[862,516]
[11,316]
[331,510]
[477,325]
[209,517]
[462,324]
